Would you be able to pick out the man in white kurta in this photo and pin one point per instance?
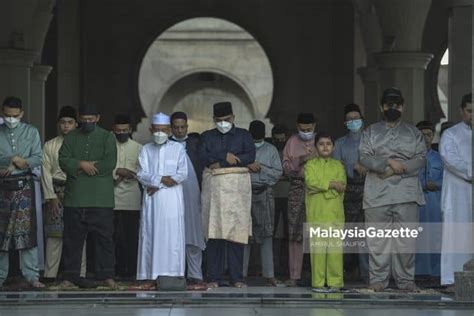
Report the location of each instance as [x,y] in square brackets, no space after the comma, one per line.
[456,197]
[162,169]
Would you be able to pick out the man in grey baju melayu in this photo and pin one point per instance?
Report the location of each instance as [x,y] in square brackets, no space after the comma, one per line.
[265,172]
[393,152]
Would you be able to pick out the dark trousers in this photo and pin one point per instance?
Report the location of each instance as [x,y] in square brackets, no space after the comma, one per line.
[78,222]
[127,224]
[215,251]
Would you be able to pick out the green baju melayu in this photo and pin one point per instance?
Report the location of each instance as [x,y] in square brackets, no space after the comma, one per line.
[325,209]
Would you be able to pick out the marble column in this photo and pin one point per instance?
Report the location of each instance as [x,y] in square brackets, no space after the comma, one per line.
[36,111]
[460,55]
[406,71]
[15,67]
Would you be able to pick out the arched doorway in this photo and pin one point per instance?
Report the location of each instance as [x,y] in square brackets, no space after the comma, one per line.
[198,62]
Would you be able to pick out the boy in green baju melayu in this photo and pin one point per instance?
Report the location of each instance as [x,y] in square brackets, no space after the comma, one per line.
[325,180]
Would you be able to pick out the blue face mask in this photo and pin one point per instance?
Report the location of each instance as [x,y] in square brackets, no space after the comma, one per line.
[354,125]
[306,135]
[260,144]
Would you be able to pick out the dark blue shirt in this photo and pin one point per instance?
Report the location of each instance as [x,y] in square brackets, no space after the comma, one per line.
[215,146]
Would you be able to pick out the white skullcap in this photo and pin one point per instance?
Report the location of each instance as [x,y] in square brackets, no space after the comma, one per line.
[161,119]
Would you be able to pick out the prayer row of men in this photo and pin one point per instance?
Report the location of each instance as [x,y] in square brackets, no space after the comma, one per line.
[181,194]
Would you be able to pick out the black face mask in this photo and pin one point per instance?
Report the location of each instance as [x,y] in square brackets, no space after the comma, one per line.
[87,127]
[122,138]
[392,114]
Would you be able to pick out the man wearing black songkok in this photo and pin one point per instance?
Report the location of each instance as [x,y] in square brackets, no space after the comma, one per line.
[225,152]
[88,156]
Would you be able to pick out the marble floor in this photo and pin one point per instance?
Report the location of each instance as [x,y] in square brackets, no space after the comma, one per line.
[227,301]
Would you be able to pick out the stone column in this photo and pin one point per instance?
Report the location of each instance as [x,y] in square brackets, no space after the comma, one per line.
[36,110]
[15,67]
[460,55]
[370,79]
[406,71]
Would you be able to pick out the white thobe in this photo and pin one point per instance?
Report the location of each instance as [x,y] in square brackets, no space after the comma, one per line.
[161,247]
[456,200]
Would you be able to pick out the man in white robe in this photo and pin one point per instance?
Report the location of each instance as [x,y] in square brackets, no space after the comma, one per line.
[162,169]
[456,196]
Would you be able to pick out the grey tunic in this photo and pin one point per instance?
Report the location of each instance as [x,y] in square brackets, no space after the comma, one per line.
[405,143]
[263,207]
[192,209]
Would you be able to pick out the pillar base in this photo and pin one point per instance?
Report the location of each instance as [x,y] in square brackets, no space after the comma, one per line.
[464,283]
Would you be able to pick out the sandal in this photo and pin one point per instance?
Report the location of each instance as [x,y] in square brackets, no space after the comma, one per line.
[212,285]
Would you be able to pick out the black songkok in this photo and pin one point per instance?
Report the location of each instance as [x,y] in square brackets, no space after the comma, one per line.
[392,96]
[222,109]
[122,119]
[88,109]
[67,111]
[305,118]
[178,115]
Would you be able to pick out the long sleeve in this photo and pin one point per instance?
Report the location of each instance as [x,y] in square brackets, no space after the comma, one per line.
[144,174]
[206,155]
[248,155]
[270,174]
[453,159]
[314,178]
[367,154]
[438,180]
[291,165]
[67,162]
[182,171]
[47,175]
[108,162]
[415,164]
[34,159]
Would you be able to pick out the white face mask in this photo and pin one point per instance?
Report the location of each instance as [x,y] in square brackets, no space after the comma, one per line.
[160,137]
[306,135]
[259,144]
[12,122]
[182,139]
[224,126]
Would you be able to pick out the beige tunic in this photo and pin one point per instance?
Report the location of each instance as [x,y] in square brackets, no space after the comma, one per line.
[50,167]
[127,192]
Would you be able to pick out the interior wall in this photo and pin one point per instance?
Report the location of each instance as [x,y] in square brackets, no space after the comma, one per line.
[309,45]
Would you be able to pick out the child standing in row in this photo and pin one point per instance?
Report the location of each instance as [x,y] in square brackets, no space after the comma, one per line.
[325,180]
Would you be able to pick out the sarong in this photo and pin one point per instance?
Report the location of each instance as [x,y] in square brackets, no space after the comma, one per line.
[296,209]
[226,204]
[17,213]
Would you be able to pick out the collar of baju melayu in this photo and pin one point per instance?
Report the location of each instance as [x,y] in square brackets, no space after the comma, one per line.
[182,140]
[355,135]
[392,127]
[467,126]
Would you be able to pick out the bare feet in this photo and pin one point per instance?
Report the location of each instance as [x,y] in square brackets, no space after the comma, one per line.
[273,282]
[112,284]
[212,285]
[37,284]
[377,287]
[239,285]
